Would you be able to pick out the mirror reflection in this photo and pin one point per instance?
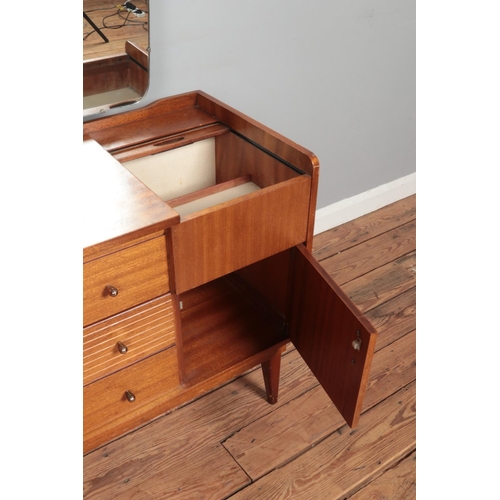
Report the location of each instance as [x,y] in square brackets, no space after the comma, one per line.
[115,54]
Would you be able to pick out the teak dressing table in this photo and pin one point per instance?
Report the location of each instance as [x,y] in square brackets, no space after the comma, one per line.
[197,265]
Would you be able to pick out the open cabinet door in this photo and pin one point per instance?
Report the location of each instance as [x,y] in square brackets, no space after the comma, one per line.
[331,334]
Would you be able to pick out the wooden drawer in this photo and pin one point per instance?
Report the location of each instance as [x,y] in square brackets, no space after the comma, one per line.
[121,340]
[138,273]
[106,410]
[222,239]
[237,203]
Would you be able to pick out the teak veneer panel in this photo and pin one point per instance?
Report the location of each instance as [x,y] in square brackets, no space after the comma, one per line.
[139,273]
[107,413]
[175,450]
[324,325]
[144,330]
[120,209]
[192,110]
[222,239]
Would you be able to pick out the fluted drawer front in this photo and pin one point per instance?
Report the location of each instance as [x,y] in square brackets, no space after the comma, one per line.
[124,279]
[121,340]
[129,397]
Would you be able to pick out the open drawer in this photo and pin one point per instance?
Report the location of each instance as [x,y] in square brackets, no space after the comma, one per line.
[238,204]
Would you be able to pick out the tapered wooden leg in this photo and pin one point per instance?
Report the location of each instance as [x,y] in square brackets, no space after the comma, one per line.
[271,372]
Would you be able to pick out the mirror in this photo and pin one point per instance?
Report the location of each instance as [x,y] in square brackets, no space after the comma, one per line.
[115,54]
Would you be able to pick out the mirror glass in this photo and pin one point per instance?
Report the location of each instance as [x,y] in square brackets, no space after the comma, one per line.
[115,54]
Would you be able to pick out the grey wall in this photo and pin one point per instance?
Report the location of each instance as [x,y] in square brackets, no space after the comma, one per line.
[335,76]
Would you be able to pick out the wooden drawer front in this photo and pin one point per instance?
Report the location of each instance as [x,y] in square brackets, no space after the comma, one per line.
[142,331]
[227,237]
[138,273]
[106,409]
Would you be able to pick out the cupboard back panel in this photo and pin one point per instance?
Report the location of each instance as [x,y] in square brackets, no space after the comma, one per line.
[270,278]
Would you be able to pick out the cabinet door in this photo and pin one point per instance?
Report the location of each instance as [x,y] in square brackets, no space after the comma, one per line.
[331,334]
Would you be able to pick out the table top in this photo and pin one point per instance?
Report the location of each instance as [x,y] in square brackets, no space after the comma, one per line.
[118,207]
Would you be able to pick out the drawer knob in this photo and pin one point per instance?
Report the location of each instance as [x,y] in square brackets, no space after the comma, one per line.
[130,396]
[113,292]
[122,348]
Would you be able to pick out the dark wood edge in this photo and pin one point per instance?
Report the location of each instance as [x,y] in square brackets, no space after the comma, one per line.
[312,209]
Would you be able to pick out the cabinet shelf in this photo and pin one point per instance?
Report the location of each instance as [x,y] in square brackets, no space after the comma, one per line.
[224,323]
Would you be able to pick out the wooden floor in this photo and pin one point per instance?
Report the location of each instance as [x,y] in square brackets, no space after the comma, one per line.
[116,24]
[232,444]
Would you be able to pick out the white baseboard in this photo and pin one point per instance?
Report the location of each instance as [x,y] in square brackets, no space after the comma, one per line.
[351,208]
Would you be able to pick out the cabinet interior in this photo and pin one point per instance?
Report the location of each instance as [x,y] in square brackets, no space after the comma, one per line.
[230,319]
[208,172]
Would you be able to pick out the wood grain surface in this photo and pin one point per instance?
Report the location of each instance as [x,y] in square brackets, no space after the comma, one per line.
[296,448]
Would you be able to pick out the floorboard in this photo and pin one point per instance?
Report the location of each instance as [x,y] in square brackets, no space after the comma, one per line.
[371,254]
[346,460]
[364,228]
[231,444]
[398,483]
[379,286]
